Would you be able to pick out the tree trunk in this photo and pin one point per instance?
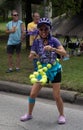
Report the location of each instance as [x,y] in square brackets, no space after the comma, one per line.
[18,6]
[28,19]
[5,14]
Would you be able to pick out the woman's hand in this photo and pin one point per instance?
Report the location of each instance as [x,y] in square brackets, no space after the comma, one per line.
[59,50]
[48,48]
[33,55]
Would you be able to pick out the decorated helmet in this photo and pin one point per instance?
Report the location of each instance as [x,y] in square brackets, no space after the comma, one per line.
[44,21]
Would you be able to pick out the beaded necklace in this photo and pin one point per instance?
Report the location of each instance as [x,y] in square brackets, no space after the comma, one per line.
[14,24]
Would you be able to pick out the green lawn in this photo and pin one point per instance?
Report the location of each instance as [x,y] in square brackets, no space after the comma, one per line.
[2,28]
[72,72]
[26,66]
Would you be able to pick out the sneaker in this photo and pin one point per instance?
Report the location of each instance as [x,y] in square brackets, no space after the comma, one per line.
[26,117]
[9,71]
[17,70]
[61,120]
[65,58]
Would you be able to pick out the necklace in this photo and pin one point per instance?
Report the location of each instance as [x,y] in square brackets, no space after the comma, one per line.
[14,24]
[45,41]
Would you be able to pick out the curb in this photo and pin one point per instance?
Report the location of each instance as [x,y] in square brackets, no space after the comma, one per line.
[67,96]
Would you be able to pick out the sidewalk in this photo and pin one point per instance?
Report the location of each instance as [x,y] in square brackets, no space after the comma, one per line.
[68,96]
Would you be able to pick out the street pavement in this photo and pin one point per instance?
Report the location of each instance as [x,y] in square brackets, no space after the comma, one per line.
[45,114]
[67,96]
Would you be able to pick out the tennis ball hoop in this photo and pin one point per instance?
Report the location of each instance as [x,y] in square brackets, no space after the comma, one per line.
[40,75]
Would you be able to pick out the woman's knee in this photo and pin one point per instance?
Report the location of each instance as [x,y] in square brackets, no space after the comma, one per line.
[33,95]
[57,97]
[35,90]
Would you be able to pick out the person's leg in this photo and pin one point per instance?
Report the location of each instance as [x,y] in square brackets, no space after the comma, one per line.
[18,56]
[10,61]
[56,93]
[10,50]
[59,102]
[57,97]
[33,94]
[18,59]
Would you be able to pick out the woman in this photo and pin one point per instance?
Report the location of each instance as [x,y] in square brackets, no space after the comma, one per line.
[46,49]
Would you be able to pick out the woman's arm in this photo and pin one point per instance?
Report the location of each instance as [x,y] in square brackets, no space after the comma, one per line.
[59,50]
[33,55]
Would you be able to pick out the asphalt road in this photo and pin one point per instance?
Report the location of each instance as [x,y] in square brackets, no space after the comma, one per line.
[45,114]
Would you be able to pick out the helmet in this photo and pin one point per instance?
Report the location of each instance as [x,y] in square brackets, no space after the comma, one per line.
[44,21]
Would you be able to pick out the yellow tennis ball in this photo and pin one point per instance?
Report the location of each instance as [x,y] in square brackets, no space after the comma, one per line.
[49,66]
[36,73]
[44,76]
[43,73]
[31,76]
[39,66]
[43,81]
[40,71]
[45,69]
[33,80]
[57,60]
[38,63]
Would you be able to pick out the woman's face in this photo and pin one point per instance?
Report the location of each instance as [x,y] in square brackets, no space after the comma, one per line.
[44,31]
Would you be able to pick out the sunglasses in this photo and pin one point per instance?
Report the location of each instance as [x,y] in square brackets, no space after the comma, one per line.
[43,29]
[15,14]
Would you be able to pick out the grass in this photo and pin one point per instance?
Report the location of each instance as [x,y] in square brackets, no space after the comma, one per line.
[2,28]
[72,72]
[26,66]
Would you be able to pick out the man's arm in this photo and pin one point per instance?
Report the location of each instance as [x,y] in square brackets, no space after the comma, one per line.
[23,33]
[11,30]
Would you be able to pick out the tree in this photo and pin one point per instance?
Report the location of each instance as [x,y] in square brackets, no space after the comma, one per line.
[8,5]
[70,7]
[18,7]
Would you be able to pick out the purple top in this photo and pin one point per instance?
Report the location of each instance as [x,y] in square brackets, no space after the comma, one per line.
[35,32]
[45,56]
